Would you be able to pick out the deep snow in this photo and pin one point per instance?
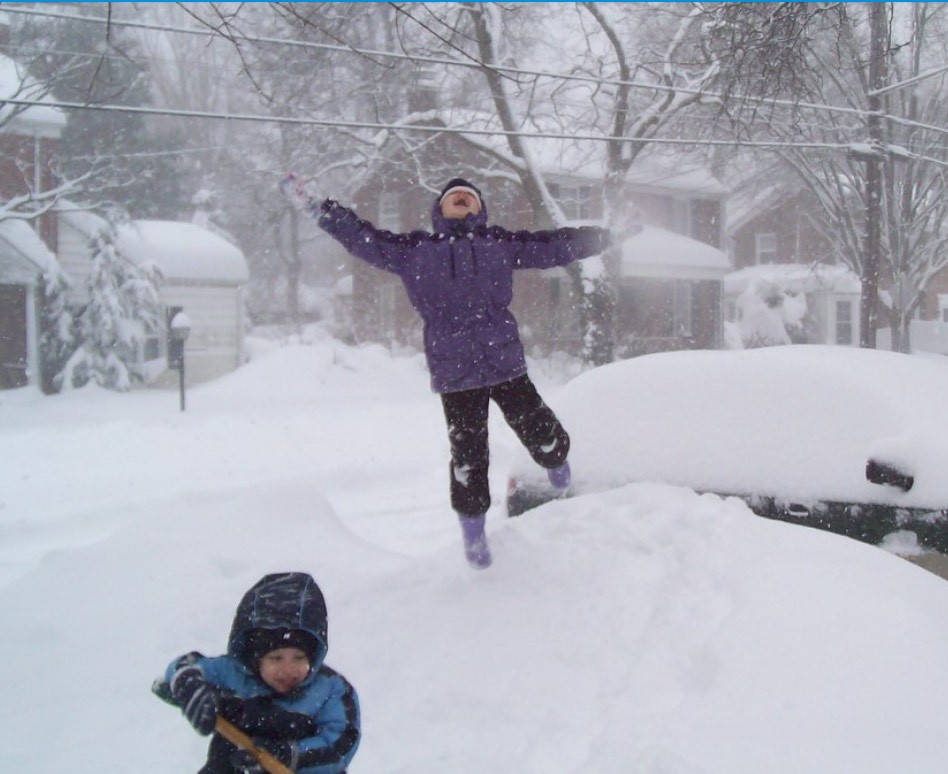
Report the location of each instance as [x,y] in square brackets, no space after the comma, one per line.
[647,629]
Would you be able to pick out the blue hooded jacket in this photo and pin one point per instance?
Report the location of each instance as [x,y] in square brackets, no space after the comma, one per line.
[289,601]
[460,280]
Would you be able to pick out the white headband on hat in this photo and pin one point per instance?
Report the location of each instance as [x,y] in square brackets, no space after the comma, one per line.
[455,189]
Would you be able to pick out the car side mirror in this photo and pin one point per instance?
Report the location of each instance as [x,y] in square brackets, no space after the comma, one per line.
[889,475]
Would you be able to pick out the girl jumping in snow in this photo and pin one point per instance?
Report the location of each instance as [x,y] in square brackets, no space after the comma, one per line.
[459,278]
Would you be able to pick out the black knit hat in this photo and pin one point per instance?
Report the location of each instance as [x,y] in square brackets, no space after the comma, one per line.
[262,641]
[460,183]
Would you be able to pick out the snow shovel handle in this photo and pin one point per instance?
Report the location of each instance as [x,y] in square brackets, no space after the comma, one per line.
[235,736]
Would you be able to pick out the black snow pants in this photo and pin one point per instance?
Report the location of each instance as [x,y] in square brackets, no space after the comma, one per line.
[466,415]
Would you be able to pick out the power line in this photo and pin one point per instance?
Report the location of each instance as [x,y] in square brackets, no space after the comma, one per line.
[428,128]
[860,113]
[444,61]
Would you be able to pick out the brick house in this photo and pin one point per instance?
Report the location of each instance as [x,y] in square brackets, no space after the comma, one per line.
[28,141]
[771,238]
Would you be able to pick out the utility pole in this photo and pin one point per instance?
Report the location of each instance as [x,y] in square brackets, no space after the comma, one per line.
[878,54]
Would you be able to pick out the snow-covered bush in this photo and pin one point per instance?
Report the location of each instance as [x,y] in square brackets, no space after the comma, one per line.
[57,338]
[770,315]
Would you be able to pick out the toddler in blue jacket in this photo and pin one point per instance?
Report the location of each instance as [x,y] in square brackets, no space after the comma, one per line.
[272,684]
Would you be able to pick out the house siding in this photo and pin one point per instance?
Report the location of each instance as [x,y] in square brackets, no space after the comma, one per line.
[75,259]
[216,341]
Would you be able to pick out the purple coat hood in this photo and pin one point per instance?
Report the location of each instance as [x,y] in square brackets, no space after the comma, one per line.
[459,278]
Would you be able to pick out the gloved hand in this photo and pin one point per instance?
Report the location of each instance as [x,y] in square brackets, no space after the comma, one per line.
[198,701]
[262,717]
[295,192]
[285,752]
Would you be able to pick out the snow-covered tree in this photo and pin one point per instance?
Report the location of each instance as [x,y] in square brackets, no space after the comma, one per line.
[123,162]
[123,305]
[57,338]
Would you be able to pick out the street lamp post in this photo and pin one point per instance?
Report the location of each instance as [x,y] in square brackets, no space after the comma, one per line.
[180,327]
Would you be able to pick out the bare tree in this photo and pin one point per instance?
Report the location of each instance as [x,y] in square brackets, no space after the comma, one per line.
[40,184]
[301,59]
[501,40]
[908,207]
[663,93]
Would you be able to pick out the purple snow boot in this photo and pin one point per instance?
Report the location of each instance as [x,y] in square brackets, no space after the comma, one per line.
[476,550]
[559,477]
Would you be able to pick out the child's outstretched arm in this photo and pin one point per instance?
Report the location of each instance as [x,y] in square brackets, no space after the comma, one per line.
[382,249]
[546,249]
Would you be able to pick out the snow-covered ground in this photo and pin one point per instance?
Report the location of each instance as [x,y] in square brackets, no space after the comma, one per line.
[646,629]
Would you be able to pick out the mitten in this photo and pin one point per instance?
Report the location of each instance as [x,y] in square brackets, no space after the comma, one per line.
[198,701]
[261,717]
[295,192]
[285,752]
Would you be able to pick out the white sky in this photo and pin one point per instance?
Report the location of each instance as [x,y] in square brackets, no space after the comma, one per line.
[643,630]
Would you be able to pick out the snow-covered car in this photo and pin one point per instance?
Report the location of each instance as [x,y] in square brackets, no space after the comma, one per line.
[850,440]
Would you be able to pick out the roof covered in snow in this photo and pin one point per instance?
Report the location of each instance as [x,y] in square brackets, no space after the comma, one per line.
[183,251]
[23,255]
[653,170]
[655,252]
[796,278]
[42,120]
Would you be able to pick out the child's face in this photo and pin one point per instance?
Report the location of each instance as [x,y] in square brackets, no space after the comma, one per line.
[458,204]
[284,669]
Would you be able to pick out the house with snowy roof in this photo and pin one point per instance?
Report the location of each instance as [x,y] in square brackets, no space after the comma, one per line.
[24,260]
[775,248]
[203,274]
[29,137]
[772,241]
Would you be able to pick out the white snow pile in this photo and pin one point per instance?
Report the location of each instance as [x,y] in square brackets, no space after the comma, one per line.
[645,629]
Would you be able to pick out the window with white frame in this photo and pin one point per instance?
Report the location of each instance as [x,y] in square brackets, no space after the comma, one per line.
[681,216]
[765,249]
[683,307]
[151,344]
[390,215]
[844,322]
[575,201]
[732,311]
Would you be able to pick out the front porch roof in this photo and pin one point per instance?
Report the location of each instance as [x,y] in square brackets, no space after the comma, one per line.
[657,253]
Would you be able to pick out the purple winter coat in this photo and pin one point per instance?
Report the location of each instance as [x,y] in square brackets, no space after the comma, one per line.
[460,280]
